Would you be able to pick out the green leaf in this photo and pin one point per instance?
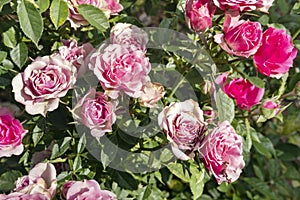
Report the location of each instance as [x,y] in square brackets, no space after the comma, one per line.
[256,81]
[60,150]
[37,135]
[196,182]
[30,20]
[9,38]
[77,163]
[225,106]
[178,170]
[265,146]
[81,144]
[94,16]
[7,180]
[43,5]
[19,54]
[3,56]
[58,12]
[3,2]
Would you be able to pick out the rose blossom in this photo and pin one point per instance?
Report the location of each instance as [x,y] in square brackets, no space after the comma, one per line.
[43,82]
[128,34]
[184,125]
[41,179]
[96,112]
[21,196]
[244,5]
[270,108]
[109,7]
[76,54]
[245,93]
[199,13]
[151,94]
[121,68]
[85,190]
[240,38]
[11,134]
[221,152]
[275,56]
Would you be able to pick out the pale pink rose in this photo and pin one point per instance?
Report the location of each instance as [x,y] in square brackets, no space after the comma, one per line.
[240,38]
[11,134]
[121,68]
[221,152]
[109,7]
[86,190]
[75,54]
[244,5]
[199,13]
[21,196]
[184,126]
[43,82]
[151,94]
[275,56]
[96,112]
[41,179]
[128,34]
[245,93]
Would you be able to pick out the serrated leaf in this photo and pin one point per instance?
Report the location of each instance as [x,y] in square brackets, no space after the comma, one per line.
[31,21]
[3,56]
[43,5]
[3,2]
[256,81]
[9,38]
[94,16]
[58,12]
[178,170]
[225,106]
[19,54]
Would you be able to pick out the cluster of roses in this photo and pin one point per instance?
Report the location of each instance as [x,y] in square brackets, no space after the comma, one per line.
[273,51]
[41,184]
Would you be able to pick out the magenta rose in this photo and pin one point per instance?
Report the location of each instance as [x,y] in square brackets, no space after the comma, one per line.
[96,112]
[43,82]
[109,7]
[275,56]
[128,34]
[76,54]
[199,13]
[121,68]
[11,134]
[184,126]
[41,179]
[240,38]
[21,196]
[151,94]
[221,152]
[86,190]
[245,93]
[244,5]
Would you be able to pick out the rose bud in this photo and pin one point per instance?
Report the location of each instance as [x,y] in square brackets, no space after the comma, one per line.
[270,108]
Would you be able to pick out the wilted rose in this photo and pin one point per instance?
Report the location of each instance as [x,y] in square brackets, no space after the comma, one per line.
[121,68]
[11,134]
[275,56]
[244,5]
[199,13]
[221,152]
[151,94]
[41,179]
[21,196]
[84,190]
[43,82]
[128,34]
[76,54]
[184,126]
[96,112]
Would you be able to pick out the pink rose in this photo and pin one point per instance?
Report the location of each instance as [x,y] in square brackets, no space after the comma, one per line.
[244,5]
[184,125]
[11,134]
[240,38]
[270,108]
[221,152]
[96,112]
[21,196]
[76,54]
[245,93]
[275,56]
[121,68]
[109,7]
[43,82]
[86,190]
[151,94]
[199,13]
[41,179]
[128,34]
